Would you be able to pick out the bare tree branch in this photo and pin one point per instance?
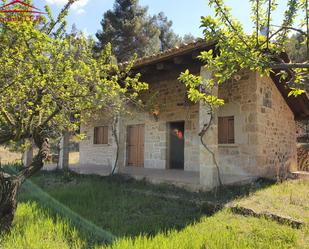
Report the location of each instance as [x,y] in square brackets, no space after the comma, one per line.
[231,24]
[289,65]
[268,22]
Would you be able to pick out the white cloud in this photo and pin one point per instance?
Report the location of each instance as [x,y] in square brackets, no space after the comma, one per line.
[77,6]
[80,11]
[80,4]
[57,2]
[86,32]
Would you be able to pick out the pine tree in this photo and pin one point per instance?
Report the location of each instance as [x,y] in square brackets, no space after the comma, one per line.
[296,48]
[188,38]
[130,30]
[168,38]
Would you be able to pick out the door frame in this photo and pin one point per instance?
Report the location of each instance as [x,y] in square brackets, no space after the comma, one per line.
[168,126]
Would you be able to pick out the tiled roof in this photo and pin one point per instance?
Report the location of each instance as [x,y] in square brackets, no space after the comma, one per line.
[172,52]
[299,105]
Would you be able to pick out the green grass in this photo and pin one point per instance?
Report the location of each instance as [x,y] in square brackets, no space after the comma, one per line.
[112,204]
[291,198]
[66,210]
[35,228]
[225,231]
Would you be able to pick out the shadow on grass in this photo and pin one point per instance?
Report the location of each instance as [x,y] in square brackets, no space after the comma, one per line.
[104,207]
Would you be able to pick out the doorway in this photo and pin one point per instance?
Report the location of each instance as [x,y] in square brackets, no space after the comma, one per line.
[176,145]
[135,145]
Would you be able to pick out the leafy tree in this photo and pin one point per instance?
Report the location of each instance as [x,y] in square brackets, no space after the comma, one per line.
[130,30]
[296,48]
[167,37]
[188,38]
[48,79]
[259,51]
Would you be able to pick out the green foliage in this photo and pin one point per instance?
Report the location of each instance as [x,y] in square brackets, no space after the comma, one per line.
[296,48]
[130,30]
[168,38]
[259,51]
[200,89]
[188,38]
[48,79]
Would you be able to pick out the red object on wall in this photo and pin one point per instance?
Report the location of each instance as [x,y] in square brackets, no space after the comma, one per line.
[180,135]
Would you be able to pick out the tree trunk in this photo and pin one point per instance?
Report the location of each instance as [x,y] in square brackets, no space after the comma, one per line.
[10,184]
[8,203]
[114,131]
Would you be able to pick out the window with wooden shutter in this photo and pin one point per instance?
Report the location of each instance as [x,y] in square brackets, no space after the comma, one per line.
[226,130]
[100,135]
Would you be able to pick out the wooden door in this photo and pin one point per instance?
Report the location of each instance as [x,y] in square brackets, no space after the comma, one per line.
[135,145]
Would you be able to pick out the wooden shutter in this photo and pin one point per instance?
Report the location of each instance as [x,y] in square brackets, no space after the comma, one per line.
[226,130]
[101,135]
[230,130]
[222,130]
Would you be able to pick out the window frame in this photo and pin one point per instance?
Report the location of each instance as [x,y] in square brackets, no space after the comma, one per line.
[225,134]
[96,139]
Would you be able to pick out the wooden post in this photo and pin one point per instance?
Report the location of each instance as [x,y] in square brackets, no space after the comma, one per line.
[64,151]
[28,157]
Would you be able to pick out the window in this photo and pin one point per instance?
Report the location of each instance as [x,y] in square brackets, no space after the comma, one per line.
[100,135]
[226,130]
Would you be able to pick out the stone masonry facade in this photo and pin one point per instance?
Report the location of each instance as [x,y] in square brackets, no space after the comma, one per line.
[264,129]
[173,105]
[265,137]
[276,131]
[101,154]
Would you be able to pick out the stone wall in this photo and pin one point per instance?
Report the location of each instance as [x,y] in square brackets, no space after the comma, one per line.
[276,131]
[238,160]
[101,154]
[173,105]
[264,129]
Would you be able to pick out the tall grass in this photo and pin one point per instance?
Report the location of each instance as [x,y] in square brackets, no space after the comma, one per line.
[222,231]
[34,228]
[65,210]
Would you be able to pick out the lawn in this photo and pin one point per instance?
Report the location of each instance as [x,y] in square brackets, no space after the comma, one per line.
[66,210]
[291,199]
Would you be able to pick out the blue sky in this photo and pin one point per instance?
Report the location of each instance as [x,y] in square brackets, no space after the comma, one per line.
[185,14]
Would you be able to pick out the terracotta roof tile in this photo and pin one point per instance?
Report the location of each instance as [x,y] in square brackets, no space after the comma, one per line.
[199,43]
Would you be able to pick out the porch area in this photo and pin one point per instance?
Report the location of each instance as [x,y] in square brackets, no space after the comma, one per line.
[180,178]
[187,179]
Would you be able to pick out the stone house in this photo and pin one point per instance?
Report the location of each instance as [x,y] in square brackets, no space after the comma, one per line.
[253,135]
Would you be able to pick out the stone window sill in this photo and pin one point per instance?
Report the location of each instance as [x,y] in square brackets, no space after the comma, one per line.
[228,145]
[101,145]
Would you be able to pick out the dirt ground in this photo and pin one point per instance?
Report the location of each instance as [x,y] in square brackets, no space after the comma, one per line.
[7,156]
